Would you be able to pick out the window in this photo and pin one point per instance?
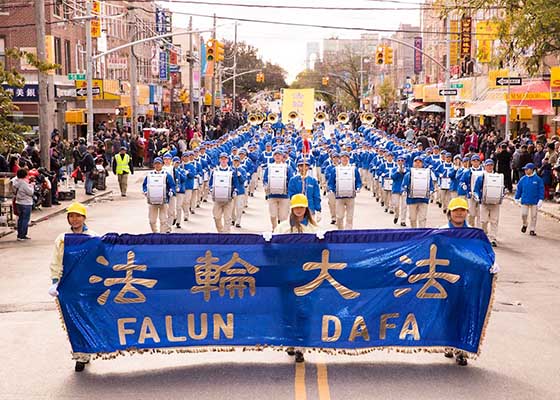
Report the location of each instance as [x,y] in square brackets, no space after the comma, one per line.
[67,57]
[58,8]
[58,54]
[2,50]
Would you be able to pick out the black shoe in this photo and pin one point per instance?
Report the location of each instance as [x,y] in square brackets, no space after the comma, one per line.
[461,360]
[333,222]
[238,225]
[178,226]
[395,220]
[185,220]
[192,211]
[432,200]
[205,201]
[232,223]
[440,205]
[299,357]
[377,199]
[291,351]
[198,206]
[391,212]
[523,229]
[444,211]
[123,195]
[403,223]
[386,210]
[26,238]
[89,194]
[382,204]
[494,244]
[449,354]
[56,203]
[174,221]
[80,366]
[533,233]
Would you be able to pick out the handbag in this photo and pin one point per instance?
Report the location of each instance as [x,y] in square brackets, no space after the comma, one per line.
[14,205]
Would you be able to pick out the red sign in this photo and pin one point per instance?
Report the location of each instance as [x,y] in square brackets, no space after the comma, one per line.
[417,55]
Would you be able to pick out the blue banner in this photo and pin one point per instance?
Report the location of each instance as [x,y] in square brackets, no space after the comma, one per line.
[355,290]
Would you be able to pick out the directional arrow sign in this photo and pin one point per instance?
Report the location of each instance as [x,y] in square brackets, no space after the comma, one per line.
[509,81]
[448,92]
[82,92]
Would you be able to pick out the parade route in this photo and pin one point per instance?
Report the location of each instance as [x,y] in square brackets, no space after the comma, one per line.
[518,359]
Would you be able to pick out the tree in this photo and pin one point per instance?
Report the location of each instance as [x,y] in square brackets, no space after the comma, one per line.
[248,60]
[529,30]
[387,93]
[11,138]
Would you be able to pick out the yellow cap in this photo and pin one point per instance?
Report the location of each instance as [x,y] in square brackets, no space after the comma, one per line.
[77,208]
[298,200]
[458,202]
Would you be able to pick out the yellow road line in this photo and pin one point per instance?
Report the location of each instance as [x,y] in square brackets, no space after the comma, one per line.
[300,382]
[323,382]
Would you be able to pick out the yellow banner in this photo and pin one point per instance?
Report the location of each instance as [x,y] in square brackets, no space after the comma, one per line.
[455,45]
[487,30]
[418,91]
[301,101]
[555,77]
[95,28]
[534,96]
[431,94]
[111,89]
[484,53]
[143,94]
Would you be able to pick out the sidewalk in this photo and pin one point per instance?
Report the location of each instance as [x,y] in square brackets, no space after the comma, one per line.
[48,212]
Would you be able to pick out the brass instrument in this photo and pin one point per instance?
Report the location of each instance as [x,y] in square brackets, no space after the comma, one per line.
[367,118]
[272,118]
[342,118]
[253,119]
[320,117]
[261,117]
[292,116]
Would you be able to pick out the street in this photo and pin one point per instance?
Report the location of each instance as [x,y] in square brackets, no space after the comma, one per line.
[518,359]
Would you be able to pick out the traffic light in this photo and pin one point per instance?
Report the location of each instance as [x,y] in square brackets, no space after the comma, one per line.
[325,81]
[380,56]
[388,55]
[219,50]
[211,50]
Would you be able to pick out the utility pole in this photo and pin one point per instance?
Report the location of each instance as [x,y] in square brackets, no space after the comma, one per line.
[508,109]
[133,71]
[191,75]
[44,138]
[234,95]
[214,74]
[447,69]
[89,74]
[200,97]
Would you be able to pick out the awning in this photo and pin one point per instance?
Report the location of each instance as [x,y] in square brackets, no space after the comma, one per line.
[432,108]
[535,94]
[413,105]
[491,104]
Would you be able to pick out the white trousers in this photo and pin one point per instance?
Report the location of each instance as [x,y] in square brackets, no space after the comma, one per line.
[345,213]
[490,214]
[418,213]
[278,209]
[398,201]
[238,205]
[474,213]
[532,211]
[222,215]
[155,212]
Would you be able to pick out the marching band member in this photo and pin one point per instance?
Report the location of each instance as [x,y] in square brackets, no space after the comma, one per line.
[176,175]
[158,187]
[446,174]
[205,163]
[76,215]
[223,183]
[189,171]
[304,182]
[398,198]
[468,178]
[198,182]
[345,182]
[387,182]
[276,178]
[418,187]
[489,192]
[330,168]
[530,194]
[239,200]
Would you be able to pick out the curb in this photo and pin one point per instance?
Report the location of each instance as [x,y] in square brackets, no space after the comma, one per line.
[58,212]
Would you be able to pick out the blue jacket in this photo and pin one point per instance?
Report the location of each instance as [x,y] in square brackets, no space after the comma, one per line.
[465,182]
[331,180]
[530,189]
[239,177]
[189,170]
[169,185]
[311,191]
[398,178]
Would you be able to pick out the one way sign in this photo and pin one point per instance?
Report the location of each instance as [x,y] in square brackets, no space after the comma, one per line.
[82,92]
[448,92]
[509,81]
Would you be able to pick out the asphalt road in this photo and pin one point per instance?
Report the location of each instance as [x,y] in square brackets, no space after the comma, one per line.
[518,361]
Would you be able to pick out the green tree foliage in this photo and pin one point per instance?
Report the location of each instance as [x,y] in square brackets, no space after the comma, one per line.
[248,60]
[387,93]
[11,138]
[529,32]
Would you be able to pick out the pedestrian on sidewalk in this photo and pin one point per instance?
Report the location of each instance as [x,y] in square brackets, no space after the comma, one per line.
[88,168]
[23,193]
[122,167]
[530,194]
[76,215]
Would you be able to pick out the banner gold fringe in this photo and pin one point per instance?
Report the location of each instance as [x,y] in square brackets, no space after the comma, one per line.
[328,351]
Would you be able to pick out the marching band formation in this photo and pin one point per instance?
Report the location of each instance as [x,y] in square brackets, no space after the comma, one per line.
[402,176]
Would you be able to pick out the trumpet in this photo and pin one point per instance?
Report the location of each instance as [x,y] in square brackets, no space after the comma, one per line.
[342,118]
[320,117]
[292,116]
[253,119]
[272,118]
[367,118]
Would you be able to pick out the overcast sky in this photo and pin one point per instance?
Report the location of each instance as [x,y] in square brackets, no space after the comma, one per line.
[286,45]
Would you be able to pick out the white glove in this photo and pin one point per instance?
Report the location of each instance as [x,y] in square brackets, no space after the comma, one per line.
[267,236]
[320,235]
[53,290]
[518,201]
[539,204]
[170,193]
[475,197]
[317,216]
[495,268]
